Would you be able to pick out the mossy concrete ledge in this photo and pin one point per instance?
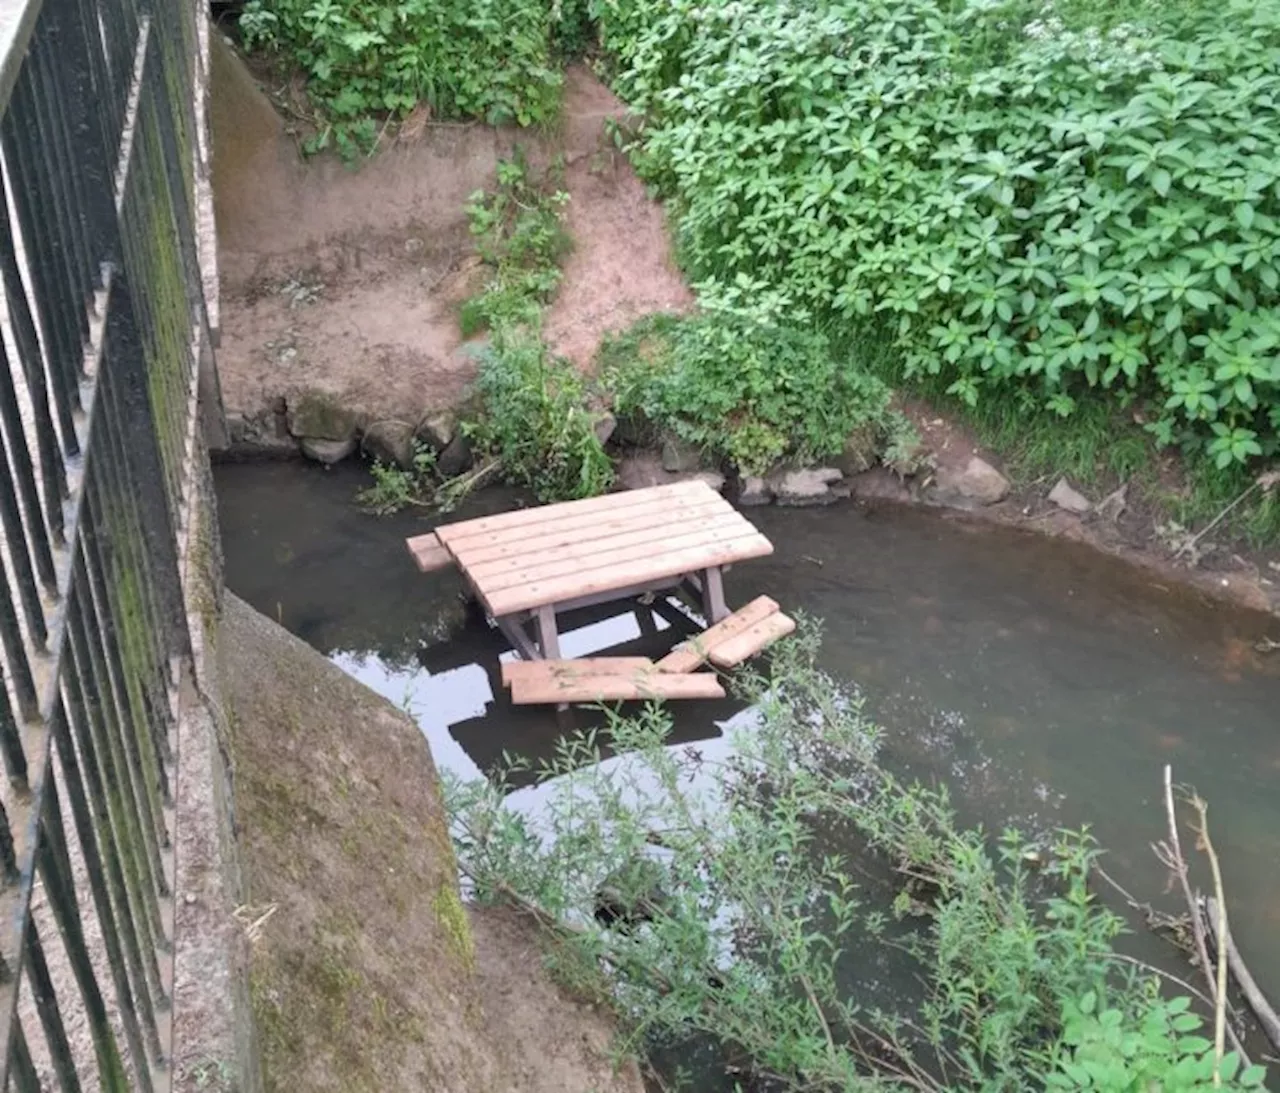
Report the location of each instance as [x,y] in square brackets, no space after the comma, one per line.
[367,972]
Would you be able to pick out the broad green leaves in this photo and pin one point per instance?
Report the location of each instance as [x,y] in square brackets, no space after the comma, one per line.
[483,58]
[1065,203]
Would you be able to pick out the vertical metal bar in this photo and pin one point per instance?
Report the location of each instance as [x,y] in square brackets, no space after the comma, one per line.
[138,795]
[26,134]
[16,653]
[25,1078]
[51,471]
[15,759]
[117,820]
[91,808]
[46,1001]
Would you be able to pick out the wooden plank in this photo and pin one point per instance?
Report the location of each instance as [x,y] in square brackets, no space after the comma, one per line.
[688,655]
[571,669]
[614,688]
[733,651]
[428,552]
[540,514]
[626,546]
[494,546]
[507,601]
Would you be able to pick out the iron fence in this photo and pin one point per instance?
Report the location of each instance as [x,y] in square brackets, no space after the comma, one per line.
[102,326]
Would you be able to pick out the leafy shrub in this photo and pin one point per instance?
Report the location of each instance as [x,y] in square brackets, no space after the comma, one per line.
[520,235]
[476,58]
[751,390]
[782,896]
[1067,200]
[536,421]
[1113,1052]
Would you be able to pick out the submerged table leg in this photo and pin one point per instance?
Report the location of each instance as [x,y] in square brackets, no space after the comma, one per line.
[548,636]
[514,631]
[713,605]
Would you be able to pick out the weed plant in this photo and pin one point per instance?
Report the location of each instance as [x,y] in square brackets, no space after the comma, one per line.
[519,232]
[759,898]
[536,420]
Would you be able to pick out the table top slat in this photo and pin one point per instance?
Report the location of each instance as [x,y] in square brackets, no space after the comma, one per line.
[558,513]
[531,541]
[555,554]
[624,546]
[653,567]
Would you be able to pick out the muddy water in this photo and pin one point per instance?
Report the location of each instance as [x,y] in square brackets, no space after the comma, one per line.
[1046,685]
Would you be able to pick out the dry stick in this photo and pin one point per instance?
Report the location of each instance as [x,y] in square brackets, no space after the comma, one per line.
[1175,861]
[1262,1010]
[1220,1013]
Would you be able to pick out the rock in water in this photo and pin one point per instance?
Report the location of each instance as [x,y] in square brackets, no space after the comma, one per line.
[390,441]
[605,426]
[455,458]
[977,481]
[754,491]
[327,452]
[319,416]
[1072,500]
[438,430]
[679,456]
[810,486]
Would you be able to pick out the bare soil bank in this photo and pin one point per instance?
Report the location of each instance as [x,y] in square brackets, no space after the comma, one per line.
[347,281]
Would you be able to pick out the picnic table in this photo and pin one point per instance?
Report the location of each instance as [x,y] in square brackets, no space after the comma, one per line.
[528,566]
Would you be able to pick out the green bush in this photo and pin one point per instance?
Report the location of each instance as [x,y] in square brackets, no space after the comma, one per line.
[745,388]
[363,58]
[520,234]
[536,421]
[1053,197]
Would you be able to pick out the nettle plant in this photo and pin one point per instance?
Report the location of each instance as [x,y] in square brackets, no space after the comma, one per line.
[1060,202]
[490,59]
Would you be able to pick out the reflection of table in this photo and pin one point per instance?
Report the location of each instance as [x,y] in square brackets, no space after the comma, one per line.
[529,565]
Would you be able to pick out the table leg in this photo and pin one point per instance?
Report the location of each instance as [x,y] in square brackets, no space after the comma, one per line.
[645,620]
[713,605]
[548,636]
[514,631]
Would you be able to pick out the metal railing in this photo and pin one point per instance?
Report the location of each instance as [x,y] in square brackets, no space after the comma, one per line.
[102,332]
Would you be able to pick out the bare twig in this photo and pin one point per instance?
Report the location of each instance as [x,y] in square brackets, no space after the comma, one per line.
[1267,1019]
[1190,544]
[1175,861]
[817,1008]
[1177,981]
[1220,1011]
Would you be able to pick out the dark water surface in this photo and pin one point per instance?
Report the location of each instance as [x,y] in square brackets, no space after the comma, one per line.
[1045,684]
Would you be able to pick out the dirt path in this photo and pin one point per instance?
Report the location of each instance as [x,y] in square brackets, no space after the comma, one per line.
[348,281]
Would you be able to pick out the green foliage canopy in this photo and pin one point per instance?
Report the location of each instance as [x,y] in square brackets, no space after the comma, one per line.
[1063,200]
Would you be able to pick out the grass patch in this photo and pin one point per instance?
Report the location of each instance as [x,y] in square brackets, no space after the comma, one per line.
[520,234]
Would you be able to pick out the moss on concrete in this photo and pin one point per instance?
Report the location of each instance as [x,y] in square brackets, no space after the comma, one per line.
[361,972]
[365,972]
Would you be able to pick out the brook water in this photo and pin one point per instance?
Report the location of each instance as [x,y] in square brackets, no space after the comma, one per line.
[1045,684]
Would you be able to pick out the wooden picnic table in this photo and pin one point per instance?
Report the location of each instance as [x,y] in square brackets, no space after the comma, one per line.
[530,565]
